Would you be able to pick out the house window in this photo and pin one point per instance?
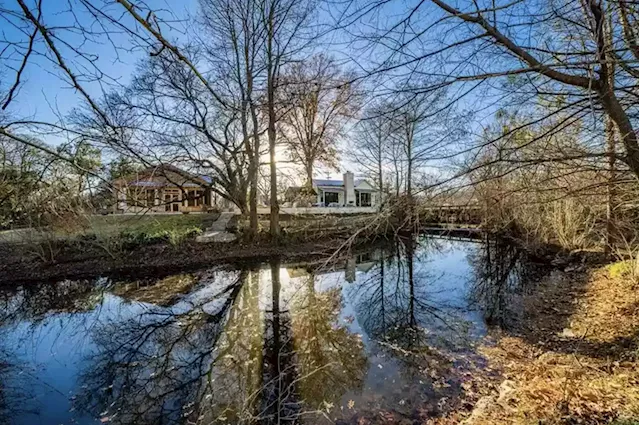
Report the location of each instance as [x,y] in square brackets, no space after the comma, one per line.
[330,197]
[172,200]
[150,197]
[364,199]
[195,198]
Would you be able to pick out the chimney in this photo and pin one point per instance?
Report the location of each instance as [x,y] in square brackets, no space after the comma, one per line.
[349,192]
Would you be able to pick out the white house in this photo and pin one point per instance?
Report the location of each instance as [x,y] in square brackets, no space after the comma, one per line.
[341,193]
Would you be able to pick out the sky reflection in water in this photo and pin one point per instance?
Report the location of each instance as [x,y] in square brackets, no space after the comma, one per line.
[385,334]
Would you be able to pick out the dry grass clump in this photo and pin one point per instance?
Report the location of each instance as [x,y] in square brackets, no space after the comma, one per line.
[575,359]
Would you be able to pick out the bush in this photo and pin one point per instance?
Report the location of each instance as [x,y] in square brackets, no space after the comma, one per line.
[623,269]
[133,239]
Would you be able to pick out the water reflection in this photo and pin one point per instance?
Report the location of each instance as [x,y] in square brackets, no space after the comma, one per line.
[382,335]
[501,273]
[12,394]
[149,362]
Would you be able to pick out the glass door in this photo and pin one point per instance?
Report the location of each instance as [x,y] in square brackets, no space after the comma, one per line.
[172,201]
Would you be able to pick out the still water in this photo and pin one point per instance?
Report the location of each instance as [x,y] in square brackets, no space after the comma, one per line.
[380,335]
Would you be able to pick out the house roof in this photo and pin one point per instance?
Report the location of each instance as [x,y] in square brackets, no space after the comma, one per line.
[294,191]
[327,182]
[147,183]
[144,177]
[335,183]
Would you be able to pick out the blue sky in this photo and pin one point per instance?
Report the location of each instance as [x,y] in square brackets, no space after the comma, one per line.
[44,91]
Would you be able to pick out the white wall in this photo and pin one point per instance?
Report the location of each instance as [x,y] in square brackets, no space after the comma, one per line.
[322,210]
[350,194]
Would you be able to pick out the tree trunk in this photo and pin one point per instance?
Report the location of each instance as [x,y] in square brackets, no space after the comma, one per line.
[274,221]
[251,148]
[242,206]
[309,170]
[253,177]
[409,150]
[611,145]
[611,160]
[255,161]
[627,133]
[395,166]
[380,177]
[409,172]
[253,197]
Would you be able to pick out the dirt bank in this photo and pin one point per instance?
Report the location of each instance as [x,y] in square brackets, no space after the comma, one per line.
[571,357]
[20,265]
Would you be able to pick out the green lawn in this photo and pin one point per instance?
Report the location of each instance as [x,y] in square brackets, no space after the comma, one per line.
[110,225]
[134,228]
[116,232]
[129,231]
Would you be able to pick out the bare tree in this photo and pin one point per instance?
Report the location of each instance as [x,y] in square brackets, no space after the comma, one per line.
[423,128]
[234,43]
[372,139]
[564,59]
[285,23]
[171,118]
[62,40]
[322,102]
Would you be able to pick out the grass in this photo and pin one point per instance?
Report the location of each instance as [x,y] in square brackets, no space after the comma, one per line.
[123,232]
[623,268]
[115,234]
[112,225]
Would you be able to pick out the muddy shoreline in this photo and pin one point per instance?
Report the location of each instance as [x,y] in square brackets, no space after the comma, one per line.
[22,267]
[19,264]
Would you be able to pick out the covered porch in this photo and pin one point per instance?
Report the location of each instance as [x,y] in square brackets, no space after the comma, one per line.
[137,199]
[365,198]
[330,196]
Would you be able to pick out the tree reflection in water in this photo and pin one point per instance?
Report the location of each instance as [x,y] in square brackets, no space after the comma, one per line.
[389,337]
[234,377]
[12,395]
[501,273]
[234,356]
[149,368]
[331,360]
[280,401]
[34,304]
[404,306]
[402,302]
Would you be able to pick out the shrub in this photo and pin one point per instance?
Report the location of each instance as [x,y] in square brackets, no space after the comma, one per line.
[176,236]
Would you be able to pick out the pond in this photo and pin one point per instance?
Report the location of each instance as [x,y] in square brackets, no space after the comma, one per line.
[385,334]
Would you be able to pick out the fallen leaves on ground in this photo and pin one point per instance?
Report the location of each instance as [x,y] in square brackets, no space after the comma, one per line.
[574,359]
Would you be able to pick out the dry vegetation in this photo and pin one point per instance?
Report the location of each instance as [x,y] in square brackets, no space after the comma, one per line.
[573,357]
